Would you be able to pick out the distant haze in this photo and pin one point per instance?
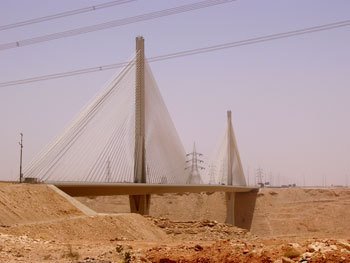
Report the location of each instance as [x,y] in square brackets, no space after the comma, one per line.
[290,98]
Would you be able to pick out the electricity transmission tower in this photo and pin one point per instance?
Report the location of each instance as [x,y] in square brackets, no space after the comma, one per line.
[259,176]
[194,177]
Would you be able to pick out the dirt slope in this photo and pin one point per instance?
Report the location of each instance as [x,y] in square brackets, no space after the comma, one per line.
[302,212]
[100,228]
[276,212]
[37,211]
[178,207]
[25,203]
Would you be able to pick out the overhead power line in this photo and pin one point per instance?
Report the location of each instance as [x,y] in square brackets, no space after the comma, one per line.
[184,53]
[64,14]
[114,23]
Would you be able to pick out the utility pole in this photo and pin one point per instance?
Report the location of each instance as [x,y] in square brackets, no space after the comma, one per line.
[20,159]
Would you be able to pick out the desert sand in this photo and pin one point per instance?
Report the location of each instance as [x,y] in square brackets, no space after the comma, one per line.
[284,225]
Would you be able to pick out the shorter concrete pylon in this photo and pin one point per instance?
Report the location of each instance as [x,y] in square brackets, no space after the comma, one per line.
[235,175]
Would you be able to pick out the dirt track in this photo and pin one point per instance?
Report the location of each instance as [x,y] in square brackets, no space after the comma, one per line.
[302,212]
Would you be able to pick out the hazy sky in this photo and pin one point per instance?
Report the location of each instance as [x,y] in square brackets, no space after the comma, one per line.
[290,98]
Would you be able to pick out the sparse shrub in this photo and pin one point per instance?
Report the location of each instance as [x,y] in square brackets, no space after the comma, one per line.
[119,248]
[71,254]
[127,257]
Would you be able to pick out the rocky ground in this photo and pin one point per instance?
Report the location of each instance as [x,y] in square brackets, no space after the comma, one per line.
[258,250]
[36,225]
[202,241]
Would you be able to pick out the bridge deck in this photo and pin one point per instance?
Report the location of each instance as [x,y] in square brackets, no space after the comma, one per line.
[87,189]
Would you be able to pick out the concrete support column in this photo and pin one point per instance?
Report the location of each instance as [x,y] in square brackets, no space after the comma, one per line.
[140,204]
[230,207]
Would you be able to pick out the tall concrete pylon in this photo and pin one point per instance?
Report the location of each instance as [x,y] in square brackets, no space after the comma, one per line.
[139,153]
[235,174]
[140,203]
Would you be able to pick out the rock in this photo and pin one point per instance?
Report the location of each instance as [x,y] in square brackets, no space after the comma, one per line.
[198,248]
[176,232]
[19,255]
[317,246]
[333,247]
[344,244]
[245,251]
[292,252]
[166,260]
[143,259]
[287,260]
[295,245]
[307,255]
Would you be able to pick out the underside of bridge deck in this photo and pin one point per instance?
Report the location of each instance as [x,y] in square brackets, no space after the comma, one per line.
[76,189]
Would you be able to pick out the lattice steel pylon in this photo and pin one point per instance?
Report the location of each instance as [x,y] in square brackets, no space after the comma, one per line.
[194,175]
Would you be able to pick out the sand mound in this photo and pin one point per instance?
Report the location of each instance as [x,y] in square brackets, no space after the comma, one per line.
[39,212]
[26,203]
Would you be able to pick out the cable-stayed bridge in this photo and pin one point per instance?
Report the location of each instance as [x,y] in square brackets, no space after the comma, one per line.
[124,141]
